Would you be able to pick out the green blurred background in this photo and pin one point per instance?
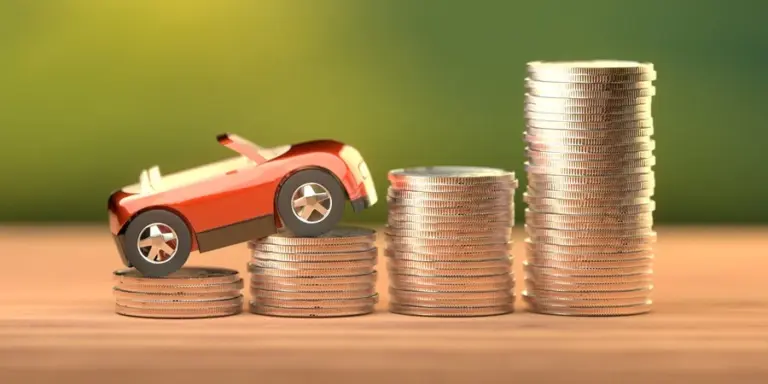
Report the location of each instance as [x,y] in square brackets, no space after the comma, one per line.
[93,91]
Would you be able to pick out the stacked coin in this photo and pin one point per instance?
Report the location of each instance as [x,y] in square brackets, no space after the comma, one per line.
[191,292]
[448,240]
[590,213]
[327,276]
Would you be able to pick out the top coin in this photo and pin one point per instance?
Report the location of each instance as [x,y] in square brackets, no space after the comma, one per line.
[451,175]
[590,67]
[337,236]
[185,275]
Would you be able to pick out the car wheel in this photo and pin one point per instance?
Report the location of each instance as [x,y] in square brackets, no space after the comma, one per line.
[157,243]
[310,203]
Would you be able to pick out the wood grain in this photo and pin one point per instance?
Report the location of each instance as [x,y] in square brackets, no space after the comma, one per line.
[710,324]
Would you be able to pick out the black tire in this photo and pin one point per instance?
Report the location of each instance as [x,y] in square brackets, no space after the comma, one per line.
[183,246]
[285,203]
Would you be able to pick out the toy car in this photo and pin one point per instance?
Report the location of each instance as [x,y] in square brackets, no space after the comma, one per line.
[303,188]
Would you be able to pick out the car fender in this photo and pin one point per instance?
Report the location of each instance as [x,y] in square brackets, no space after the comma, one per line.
[192,232]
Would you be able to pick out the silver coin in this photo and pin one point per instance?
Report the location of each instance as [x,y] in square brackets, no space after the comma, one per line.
[326,282]
[542,89]
[461,175]
[338,272]
[587,249]
[457,256]
[401,241]
[588,311]
[497,218]
[603,210]
[174,313]
[457,197]
[598,148]
[468,286]
[336,236]
[454,228]
[451,296]
[586,257]
[614,184]
[449,249]
[180,305]
[456,272]
[304,249]
[536,270]
[542,220]
[309,304]
[450,312]
[123,294]
[538,156]
[564,102]
[590,195]
[332,295]
[460,206]
[546,105]
[585,134]
[590,67]
[426,302]
[567,86]
[468,232]
[267,310]
[504,262]
[644,292]
[637,241]
[591,145]
[589,126]
[541,260]
[313,265]
[465,211]
[594,118]
[584,303]
[571,286]
[542,201]
[302,257]
[181,289]
[184,276]
[599,234]
[491,189]
[310,289]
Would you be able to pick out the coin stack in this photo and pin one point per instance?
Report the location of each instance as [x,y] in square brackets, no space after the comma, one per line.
[448,241]
[327,276]
[590,183]
[191,292]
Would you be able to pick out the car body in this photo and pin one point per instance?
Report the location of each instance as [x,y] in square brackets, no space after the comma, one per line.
[234,200]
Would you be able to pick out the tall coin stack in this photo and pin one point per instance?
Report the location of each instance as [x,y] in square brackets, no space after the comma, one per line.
[590,183]
[328,276]
[191,292]
[448,240]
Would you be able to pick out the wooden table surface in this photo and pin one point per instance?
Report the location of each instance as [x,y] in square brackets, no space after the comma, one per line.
[710,324]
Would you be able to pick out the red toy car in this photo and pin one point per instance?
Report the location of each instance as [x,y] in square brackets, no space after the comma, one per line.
[304,187]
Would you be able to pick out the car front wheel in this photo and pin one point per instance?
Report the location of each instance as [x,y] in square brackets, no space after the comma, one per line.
[157,243]
[310,203]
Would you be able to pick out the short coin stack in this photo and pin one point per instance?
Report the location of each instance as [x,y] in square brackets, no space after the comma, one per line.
[448,240]
[328,276]
[191,292]
[590,184]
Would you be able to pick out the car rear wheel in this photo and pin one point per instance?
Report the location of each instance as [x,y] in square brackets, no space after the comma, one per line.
[157,243]
[310,203]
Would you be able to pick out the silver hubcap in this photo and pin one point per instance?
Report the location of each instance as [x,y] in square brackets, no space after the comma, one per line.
[157,243]
[311,203]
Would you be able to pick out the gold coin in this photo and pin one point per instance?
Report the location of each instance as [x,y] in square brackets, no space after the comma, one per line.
[337,236]
[450,312]
[184,276]
[266,310]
